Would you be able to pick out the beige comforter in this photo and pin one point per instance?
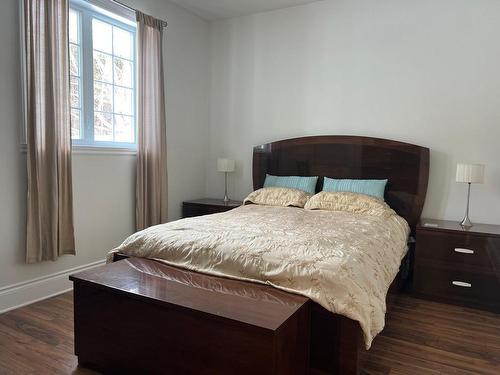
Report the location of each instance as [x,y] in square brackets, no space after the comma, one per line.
[343,261]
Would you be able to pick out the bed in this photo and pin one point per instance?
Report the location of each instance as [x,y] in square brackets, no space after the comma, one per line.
[346,313]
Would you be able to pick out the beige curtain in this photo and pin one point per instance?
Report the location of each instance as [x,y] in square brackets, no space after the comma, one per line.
[49,204]
[151,184]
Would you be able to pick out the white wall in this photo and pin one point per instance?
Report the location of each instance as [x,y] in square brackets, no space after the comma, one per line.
[104,184]
[425,72]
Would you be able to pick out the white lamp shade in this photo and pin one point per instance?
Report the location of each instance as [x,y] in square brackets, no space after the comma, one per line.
[225,165]
[473,173]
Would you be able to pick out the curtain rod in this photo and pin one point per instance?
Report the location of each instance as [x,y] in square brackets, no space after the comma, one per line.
[164,23]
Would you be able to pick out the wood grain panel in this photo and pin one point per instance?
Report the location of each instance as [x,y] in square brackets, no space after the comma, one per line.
[406,166]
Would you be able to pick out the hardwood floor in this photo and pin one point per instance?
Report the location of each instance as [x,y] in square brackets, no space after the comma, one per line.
[38,339]
[421,337]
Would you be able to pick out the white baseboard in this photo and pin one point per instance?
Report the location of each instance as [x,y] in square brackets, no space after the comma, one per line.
[30,291]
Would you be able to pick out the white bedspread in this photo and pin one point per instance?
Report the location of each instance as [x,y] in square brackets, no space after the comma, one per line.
[344,261]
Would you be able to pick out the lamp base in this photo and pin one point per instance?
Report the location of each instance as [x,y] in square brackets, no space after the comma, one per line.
[466,223]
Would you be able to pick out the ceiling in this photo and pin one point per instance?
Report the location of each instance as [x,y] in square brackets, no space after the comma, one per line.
[218,9]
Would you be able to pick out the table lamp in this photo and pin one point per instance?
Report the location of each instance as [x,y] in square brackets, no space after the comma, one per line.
[226,166]
[469,173]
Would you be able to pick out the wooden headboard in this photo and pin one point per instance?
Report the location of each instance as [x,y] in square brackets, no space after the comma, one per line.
[406,166]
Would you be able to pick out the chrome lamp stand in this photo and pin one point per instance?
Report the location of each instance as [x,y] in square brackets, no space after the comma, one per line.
[466,223]
[226,198]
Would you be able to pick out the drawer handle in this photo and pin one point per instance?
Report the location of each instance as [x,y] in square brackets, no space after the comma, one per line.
[464,251]
[461,284]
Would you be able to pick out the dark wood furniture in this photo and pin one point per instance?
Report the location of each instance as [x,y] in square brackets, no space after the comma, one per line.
[406,166]
[335,341]
[207,206]
[180,322]
[457,265]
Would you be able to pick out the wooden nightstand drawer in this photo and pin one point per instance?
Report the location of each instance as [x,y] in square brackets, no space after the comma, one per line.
[450,285]
[464,252]
[200,210]
[207,206]
[458,265]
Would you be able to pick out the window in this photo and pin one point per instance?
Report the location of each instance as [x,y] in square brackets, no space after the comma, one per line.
[102,74]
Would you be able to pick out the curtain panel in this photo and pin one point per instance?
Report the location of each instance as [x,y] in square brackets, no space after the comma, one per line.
[49,232]
[151,184]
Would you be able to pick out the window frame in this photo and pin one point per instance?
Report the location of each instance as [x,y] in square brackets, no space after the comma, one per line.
[80,72]
[87,13]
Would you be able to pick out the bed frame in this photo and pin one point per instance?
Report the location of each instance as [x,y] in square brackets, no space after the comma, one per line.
[336,341]
[406,166]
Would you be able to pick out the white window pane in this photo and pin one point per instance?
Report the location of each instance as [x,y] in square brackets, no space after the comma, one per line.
[124,129]
[74,18]
[75,92]
[123,72]
[123,101]
[75,124]
[123,43]
[74,60]
[103,69]
[102,36]
[112,81]
[103,126]
[103,97]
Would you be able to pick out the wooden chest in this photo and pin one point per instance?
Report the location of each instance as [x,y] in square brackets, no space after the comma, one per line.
[138,316]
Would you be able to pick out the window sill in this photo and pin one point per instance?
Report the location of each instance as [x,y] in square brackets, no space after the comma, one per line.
[89,150]
[76,149]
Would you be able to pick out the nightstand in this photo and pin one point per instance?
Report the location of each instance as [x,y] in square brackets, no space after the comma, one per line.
[207,206]
[457,265]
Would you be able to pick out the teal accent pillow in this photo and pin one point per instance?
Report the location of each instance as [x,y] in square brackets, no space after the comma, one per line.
[375,188]
[307,184]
